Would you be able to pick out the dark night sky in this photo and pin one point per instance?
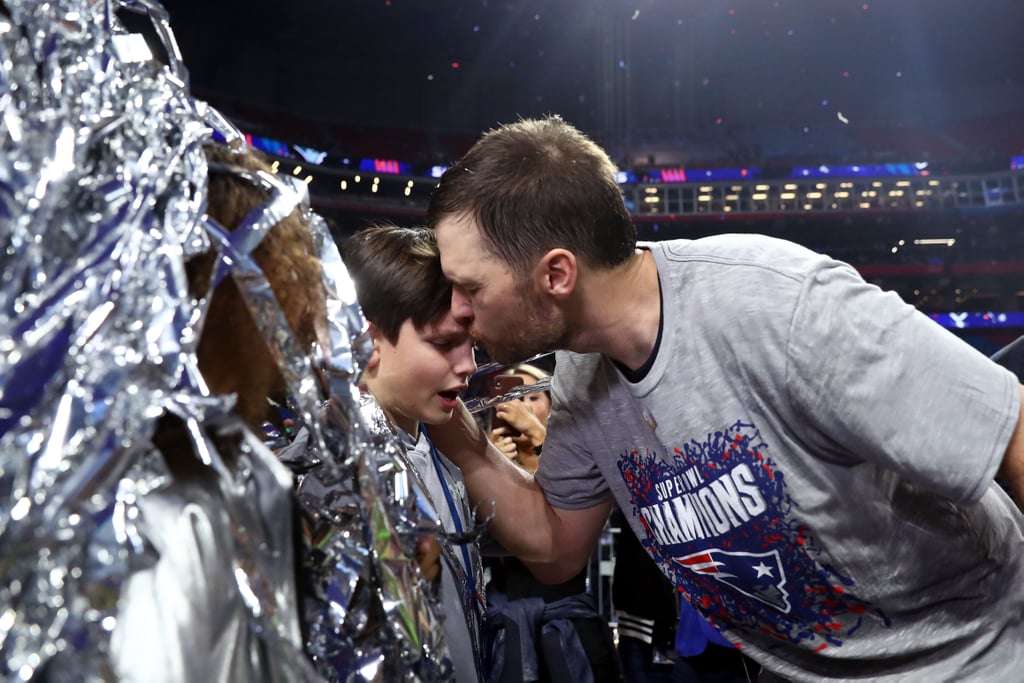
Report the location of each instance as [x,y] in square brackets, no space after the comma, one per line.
[609,65]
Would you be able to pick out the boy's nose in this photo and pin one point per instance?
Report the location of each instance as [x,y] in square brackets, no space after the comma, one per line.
[465,361]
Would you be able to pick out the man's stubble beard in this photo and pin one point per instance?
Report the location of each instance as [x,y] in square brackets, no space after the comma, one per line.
[542,329]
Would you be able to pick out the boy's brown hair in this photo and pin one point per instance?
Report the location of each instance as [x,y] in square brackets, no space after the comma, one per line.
[397,275]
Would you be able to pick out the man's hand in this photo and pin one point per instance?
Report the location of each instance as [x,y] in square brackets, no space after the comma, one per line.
[556,543]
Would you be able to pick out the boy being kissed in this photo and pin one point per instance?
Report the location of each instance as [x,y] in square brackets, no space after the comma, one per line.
[422,359]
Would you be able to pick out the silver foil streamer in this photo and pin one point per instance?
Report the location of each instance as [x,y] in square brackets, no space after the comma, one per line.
[118,561]
[370,616]
[478,397]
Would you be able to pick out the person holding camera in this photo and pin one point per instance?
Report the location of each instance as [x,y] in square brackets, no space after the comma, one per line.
[519,427]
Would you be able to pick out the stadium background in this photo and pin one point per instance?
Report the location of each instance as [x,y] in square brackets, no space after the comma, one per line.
[886,134]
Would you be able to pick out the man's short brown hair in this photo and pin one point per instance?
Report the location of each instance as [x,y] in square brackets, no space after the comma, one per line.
[397,275]
[536,185]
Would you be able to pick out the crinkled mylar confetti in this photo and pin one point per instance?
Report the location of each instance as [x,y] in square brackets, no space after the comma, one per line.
[116,563]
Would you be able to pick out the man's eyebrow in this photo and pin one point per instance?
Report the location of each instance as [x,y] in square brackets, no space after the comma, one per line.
[448,276]
[461,282]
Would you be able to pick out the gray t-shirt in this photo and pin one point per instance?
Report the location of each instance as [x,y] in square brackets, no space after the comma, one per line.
[811,461]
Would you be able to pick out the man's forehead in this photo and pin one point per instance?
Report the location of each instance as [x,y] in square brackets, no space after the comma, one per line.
[458,241]
[456,232]
[463,257]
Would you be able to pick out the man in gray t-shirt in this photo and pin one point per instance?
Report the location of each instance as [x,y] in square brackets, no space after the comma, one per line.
[813,524]
[809,459]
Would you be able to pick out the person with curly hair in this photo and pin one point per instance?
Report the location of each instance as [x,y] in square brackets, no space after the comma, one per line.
[233,356]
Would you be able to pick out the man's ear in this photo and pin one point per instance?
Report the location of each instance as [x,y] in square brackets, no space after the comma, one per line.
[556,273]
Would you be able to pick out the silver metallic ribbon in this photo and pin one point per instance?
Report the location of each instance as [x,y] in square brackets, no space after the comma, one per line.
[116,563]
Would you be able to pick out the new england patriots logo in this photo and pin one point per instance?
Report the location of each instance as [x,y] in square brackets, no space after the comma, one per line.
[758,575]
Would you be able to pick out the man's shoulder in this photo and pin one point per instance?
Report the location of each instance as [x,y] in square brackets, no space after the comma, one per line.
[575,366]
[576,374]
[750,251]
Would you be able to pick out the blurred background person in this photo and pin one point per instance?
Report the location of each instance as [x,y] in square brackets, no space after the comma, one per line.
[519,426]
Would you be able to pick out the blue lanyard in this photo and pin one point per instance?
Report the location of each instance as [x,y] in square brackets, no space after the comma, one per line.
[453,509]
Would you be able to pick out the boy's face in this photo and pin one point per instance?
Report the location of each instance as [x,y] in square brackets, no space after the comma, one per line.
[418,378]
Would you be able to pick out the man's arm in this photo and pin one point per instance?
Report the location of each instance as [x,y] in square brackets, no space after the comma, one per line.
[554,542]
[1012,469]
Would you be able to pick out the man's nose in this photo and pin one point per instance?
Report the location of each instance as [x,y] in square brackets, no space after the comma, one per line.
[462,311]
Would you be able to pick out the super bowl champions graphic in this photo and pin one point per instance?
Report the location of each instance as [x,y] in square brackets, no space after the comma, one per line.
[717,520]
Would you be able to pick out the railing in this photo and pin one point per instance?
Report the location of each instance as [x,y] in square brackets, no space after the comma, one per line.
[355,190]
[826,195]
